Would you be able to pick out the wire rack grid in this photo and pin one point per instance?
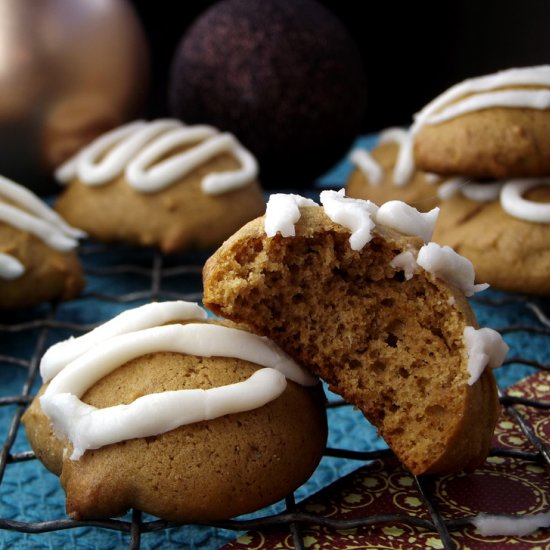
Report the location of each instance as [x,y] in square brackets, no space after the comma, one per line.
[122,277]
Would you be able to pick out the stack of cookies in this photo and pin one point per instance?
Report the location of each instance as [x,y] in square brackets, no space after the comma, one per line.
[487,140]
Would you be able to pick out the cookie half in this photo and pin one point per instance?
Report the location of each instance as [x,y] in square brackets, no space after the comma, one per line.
[356,307]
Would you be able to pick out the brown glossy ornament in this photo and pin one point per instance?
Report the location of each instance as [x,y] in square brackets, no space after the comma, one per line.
[69,70]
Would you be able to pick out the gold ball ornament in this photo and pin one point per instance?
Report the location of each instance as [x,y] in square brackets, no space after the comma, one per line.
[69,71]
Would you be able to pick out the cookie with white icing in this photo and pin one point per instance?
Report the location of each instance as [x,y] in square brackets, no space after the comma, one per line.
[38,261]
[388,172]
[503,229]
[493,126]
[356,294]
[163,184]
[184,418]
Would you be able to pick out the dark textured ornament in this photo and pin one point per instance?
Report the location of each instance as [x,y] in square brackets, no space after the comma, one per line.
[283,75]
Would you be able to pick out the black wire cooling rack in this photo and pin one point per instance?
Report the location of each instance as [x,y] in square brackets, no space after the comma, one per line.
[120,277]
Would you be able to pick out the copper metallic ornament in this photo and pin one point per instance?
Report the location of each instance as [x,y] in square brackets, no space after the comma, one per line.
[69,70]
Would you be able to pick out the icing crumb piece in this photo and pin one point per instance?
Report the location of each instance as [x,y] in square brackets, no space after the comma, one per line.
[405,262]
[453,268]
[355,214]
[370,168]
[485,348]
[282,213]
[407,220]
[508,526]
[10,267]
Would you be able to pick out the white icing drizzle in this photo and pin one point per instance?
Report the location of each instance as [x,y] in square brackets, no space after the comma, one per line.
[478,192]
[525,76]
[513,203]
[10,267]
[487,95]
[25,211]
[506,526]
[29,202]
[407,219]
[482,192]
[432,178]
[90,428]
[509,192]
[366,163]
[116,147]
[135,148]
[531,99]
[42,229]
[406,262]
[485,348]
[448,265]
[360,216]
[404,164]
[354,214]
[283,212]
[450,188]
[150,315]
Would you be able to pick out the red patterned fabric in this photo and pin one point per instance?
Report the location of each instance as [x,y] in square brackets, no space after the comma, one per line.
[503,485]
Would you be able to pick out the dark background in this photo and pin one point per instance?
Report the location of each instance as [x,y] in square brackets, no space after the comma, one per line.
[412,51]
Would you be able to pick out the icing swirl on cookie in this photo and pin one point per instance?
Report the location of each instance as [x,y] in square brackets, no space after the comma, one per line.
[139,150]
[407,220]
[361,217]
[487,93]
[283,212]
[355,214]
[89,428]
[478,192]
[510,193]
[25,211]
[446,264]
[404,164]
[10,267]
[513,202]
[149,315]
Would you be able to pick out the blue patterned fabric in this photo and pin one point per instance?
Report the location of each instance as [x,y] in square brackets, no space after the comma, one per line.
[29,493]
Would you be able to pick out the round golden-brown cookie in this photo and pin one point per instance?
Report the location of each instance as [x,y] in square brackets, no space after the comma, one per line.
[492,143]
[390,344]
[507,252]
[204,471]
[176,216]
[49,274]
[420,191]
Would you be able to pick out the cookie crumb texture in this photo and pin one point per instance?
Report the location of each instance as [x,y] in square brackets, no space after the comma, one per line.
[206,471]
[392,347]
